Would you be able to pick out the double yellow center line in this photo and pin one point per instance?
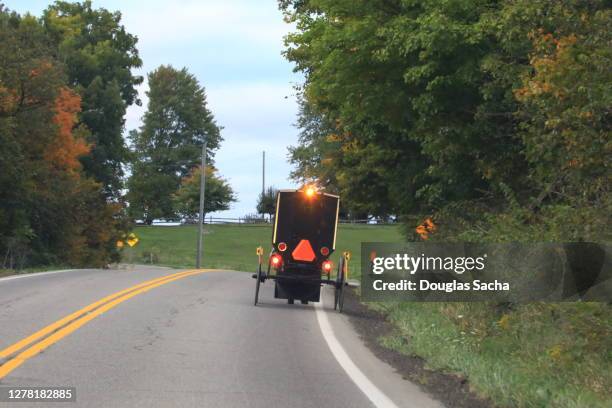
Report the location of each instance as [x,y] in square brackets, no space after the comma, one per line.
[30,346]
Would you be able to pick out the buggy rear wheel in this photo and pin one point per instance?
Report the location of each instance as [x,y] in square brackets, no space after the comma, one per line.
[257,283]
[340,283]
[341,297]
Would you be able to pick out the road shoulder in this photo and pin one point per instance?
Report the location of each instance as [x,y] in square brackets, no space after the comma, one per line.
[384,378]
[453,391]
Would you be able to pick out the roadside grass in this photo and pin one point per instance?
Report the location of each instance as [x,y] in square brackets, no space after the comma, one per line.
[531,355]
[233,246]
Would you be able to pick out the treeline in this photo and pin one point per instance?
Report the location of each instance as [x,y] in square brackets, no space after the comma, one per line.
[490,120]
[65,83]
[492,117]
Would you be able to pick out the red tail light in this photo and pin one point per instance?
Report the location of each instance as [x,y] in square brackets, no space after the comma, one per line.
[324,251]
[276,260]
[282,247]
[327,266]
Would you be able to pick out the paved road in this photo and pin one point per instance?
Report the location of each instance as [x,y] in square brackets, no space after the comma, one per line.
[193,342]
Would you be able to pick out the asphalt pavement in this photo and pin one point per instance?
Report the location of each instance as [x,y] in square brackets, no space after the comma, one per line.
[196,341]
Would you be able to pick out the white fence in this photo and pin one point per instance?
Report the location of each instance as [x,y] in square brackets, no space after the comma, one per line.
[252,221]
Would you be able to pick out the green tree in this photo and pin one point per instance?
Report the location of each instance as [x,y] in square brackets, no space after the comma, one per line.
[266,203]
[99,55]
[218,196]
[399,82]
[168,144]
[460,107]
[50,212]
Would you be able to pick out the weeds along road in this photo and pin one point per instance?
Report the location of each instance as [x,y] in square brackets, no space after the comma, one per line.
[156,337]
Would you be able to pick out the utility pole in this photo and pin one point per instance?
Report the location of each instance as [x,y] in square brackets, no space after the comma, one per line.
[263,174]
[263,179]
[201,216]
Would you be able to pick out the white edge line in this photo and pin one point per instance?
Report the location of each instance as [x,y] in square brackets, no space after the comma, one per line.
[32,274]
[374,394]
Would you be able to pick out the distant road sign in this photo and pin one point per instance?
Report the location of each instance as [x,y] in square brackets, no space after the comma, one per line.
[132,240]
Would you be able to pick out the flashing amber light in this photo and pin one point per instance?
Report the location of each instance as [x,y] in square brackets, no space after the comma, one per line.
[276,260]
[324,251]
[310,191]
[282,247]
[326,266]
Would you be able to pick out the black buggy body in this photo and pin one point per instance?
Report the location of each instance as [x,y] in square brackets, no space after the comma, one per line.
[305,226]
[303,239]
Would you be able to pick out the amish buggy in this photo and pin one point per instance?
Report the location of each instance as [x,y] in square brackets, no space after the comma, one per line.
[303,239]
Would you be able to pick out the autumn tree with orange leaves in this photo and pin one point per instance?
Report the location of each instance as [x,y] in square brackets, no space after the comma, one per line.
[69,145]
[50,212]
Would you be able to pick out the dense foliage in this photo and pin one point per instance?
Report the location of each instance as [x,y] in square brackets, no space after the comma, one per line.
[168,145]
[492,116]
[491,121]
[98,54]
[50,210]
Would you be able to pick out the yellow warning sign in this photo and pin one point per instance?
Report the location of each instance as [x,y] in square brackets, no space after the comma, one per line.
[132,240]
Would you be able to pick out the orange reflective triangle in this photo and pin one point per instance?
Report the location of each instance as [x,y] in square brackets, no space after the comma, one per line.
[303,252]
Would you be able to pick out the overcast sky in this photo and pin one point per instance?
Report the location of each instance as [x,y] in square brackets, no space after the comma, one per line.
[234,49]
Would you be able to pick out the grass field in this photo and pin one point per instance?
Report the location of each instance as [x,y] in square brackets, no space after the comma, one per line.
[233,246]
